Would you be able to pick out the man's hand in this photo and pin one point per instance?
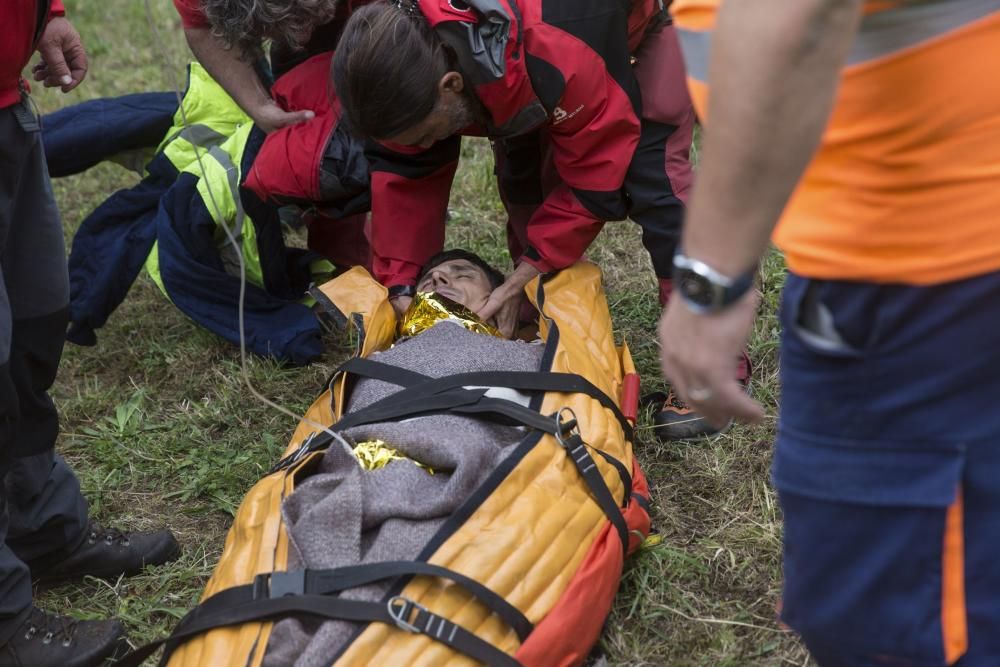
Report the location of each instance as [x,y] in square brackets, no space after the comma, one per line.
[238,76]
[504,303]
[699,353]
[64,61]
[269,117]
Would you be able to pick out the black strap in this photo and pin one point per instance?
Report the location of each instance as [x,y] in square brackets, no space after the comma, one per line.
[564,382]
[316,442]
[414,401]
[576,449]
[399,611]
[568,383]
[528,417]
[515,412]
[406,404]
[643,502]
[327,582]
[376,370]
[623,472]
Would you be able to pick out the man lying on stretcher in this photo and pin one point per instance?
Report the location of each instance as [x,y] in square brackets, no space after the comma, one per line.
[387,497]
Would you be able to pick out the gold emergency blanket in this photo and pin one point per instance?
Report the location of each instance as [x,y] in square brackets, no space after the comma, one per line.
[428,308]
[375,454]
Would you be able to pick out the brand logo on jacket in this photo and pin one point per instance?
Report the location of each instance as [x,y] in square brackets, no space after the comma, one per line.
[559,114]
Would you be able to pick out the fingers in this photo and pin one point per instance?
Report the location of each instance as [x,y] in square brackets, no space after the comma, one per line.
[501,309]
[294,117]
[272,117]
[76,60]
[506,317]
[64,60]
[719,401]
[493,304]
[699,354]
[55,72]
[512,289]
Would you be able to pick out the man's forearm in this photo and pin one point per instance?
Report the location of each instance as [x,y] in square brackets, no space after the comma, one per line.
[237,76]
[773,76]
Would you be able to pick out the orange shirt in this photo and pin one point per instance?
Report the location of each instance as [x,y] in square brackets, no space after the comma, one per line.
[906,184]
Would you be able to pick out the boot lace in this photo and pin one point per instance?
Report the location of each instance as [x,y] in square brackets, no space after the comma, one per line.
[49,627]
[108,535]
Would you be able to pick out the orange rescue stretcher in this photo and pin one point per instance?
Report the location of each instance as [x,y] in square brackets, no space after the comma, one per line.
[524,573]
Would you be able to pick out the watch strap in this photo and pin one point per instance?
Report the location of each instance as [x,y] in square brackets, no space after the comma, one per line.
[718,290]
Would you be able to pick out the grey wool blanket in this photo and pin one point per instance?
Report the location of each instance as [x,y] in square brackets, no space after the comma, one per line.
[345,515]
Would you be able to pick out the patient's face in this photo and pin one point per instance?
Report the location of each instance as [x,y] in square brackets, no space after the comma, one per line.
[459,280]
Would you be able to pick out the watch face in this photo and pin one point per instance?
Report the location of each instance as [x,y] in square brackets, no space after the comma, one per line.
[696,288]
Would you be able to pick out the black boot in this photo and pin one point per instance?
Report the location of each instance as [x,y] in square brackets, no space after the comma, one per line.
[47,639]
[108,553]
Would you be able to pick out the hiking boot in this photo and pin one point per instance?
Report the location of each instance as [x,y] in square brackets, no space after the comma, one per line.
[678,421]
[45,640]
[107,553]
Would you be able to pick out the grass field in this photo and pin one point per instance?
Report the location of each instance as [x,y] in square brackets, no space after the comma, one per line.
[162,432]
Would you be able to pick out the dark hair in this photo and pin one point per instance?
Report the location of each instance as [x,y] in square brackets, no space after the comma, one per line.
[386,69]
[492,274]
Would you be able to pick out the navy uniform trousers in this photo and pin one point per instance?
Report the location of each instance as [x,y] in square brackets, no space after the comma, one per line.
[42,513]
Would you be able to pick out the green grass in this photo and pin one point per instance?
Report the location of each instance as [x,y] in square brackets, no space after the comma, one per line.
[162,431]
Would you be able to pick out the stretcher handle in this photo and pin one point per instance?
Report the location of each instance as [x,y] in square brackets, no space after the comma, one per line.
[630,397]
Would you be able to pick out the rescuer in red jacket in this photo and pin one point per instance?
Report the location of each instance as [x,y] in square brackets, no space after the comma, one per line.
[587,109]
[45,533]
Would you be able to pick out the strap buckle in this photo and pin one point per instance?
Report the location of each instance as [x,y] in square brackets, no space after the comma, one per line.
[570,427]
[279,584]
[401,609]
[574,445]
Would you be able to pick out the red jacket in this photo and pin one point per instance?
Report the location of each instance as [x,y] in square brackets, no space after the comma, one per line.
[288,166]
[21,24]
[564,67]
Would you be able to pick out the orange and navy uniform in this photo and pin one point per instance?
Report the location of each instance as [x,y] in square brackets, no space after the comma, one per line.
[886,460]
[21,26]
[911,150]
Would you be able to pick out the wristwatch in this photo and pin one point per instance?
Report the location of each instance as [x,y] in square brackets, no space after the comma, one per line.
[704,289]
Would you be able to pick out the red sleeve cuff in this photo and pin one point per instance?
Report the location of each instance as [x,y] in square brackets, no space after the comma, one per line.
[395,273]
[538,263]
[56,9]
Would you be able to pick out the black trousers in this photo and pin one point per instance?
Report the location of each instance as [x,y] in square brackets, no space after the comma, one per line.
[42,513]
